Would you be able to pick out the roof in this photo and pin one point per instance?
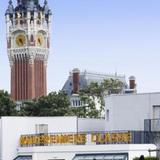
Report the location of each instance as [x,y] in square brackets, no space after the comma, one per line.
[28,5]
[133,94]
[23,158]
[87,77]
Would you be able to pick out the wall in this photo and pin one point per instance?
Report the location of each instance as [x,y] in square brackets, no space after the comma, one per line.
[91,125]
[68,152]
[14,127]
[127,112]
[138,150]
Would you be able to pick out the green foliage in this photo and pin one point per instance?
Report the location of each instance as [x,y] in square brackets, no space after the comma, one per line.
[147,158]
[54,104]
[96,92]
[58,104]
[89,111]
[111,86]
[7,106]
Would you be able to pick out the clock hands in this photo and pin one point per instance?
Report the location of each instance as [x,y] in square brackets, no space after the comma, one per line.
[20,41]
[39,41]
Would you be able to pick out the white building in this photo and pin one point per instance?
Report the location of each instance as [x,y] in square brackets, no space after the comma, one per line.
[86,152]
[11,129]
[129,111]
[120,136]
[67,138]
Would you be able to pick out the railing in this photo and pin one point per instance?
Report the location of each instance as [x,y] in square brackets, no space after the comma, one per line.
[152,125]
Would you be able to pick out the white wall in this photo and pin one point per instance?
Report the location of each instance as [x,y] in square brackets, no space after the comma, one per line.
[127,112]
[14,127]
[138,150]
[90,125]
[68,152]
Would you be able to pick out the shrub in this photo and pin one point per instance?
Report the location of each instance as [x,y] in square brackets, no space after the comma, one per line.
[147,158]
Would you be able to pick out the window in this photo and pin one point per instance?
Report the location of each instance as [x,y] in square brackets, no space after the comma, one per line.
[79,103]
[23,158]
[41,128]
[107,115]
[105,156]
[73,103]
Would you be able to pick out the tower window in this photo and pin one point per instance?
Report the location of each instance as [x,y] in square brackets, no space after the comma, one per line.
[32,38]
[107,115]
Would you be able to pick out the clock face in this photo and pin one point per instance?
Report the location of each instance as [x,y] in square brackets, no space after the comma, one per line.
[20,40]
[40,40]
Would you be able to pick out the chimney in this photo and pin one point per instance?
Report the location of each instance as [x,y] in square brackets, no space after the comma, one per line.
[76,79]
[132,82]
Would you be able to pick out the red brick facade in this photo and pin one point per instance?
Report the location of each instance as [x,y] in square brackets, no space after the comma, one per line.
[76,80]
[28,80]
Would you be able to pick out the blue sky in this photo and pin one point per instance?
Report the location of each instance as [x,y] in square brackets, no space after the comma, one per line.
[99,35]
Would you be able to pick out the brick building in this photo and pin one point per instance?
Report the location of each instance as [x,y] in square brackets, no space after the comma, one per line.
[28,38]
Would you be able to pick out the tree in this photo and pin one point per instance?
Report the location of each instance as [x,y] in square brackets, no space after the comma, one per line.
[111,86]
[58,104]
[93,97]
[54,104]
[88,109]
[7,106]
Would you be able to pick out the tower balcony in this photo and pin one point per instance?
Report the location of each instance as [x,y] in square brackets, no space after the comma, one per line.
[29,52]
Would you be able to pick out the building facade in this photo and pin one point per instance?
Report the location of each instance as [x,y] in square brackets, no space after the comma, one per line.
[133,112]
[78,80]
[47,138]
[12,128]
[88,152]
[28,42]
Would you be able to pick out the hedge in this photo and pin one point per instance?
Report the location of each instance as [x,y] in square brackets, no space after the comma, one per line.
[147,158]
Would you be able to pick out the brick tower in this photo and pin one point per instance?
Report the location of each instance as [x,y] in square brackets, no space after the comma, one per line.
[28,38]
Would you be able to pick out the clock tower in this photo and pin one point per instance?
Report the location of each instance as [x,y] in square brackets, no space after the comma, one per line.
[28,41]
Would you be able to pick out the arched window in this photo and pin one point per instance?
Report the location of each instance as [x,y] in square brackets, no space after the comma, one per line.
[32,38]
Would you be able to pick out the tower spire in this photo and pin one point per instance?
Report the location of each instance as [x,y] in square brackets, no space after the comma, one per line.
[46,8]
[19,2]
[46,5]
[10,8]
[10,2]
[45,2]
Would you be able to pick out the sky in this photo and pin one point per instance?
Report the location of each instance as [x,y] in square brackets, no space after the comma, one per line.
[104,36]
